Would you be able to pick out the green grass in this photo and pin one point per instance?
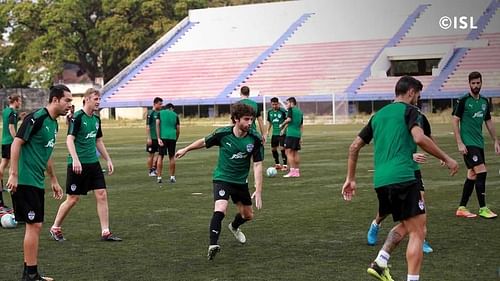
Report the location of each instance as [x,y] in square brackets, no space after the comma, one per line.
[304,232]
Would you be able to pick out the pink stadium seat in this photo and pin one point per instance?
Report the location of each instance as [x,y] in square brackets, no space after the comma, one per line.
[303,69]
[478,59]
[180,74]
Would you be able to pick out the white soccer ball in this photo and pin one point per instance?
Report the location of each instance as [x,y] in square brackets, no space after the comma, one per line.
[271,172]
[8,221]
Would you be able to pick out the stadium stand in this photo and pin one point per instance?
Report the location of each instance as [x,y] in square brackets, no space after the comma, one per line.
[307,49]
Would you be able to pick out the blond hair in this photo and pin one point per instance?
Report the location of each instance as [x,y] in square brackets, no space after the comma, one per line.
[91,91]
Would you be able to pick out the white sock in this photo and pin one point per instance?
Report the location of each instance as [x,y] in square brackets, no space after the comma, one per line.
[412,277]
[159,178]
[382,258]
[172,177]
[105,231]
[374,222]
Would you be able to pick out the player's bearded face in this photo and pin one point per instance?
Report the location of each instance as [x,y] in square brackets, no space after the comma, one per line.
[475,86]
[244,123]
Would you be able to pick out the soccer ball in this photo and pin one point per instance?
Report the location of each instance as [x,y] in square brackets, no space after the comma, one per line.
[8,221]
[271,172]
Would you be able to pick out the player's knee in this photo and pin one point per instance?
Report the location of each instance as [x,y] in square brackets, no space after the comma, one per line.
[73,199]
[248,215]
[101,194]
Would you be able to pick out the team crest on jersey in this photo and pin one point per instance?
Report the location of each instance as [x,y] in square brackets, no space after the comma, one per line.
[31,215]
[483,106]
[250,147]
[222,192]
[421,204]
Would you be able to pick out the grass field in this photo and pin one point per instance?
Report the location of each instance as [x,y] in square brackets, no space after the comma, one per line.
[305,231]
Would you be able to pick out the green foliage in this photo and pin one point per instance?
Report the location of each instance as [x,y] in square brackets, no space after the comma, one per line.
[100,36]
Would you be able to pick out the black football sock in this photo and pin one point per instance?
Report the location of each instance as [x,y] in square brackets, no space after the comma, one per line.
[215,226]
[283,155]
[481,189]
[276,157]
[238,221]
[467,191]
[31,269]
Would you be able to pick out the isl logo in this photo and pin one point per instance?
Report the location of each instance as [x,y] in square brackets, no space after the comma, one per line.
[461,22]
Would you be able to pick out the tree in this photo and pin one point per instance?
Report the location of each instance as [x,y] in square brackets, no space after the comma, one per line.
[101,37]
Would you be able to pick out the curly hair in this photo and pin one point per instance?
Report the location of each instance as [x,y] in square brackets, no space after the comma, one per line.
[239,110]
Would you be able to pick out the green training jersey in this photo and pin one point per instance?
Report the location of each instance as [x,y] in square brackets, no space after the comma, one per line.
[276,117]
[426,127]
[255,107]
[151,122]
[168,124]
[235,154]
[9,116]
[86,129]
[472,113]
[39,132]
[293,129]
[390,129]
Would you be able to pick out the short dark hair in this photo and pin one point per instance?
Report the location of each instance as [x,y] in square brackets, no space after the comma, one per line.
[239,110]
[170,106]
[245,91]
[157,100]
[57,92]
[275,99]
[474,75]
[292,100]
[13,98]
[406,83]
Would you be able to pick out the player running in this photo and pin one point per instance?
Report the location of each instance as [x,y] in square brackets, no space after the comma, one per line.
[395,129]
[239,146]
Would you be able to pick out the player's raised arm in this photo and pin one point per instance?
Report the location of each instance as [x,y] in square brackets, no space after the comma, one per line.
[429,146]
[195,145]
